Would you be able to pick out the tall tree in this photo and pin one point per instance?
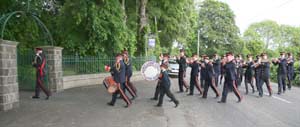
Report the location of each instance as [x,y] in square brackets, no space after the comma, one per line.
[218,31]
[266,31]
[95,27]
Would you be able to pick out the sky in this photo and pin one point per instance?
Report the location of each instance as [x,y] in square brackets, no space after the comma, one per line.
[251,11]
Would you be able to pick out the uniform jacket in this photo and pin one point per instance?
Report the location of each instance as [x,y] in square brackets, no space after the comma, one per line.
[164,79]
[119,74]
[182,64]
[282,66]
[217,66]
[249,69]
[195,68]
[265,70]
[128,66]
[230,73]
[209,71]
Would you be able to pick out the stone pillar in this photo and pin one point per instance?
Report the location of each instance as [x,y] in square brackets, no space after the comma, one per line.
[54,67]
[9,88]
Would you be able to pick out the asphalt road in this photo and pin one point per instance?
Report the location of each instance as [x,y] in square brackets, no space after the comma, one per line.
[86,107]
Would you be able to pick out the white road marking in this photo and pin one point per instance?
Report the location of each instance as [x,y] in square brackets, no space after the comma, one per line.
[281,99]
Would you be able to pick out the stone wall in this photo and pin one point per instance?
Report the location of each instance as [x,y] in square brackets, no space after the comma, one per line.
[9,89]
[54,67]
[90,79]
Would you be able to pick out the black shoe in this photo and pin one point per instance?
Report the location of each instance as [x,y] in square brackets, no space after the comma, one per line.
[253,91]
[47,98]
[239,101]
[187,90]
[158,105]
[127,106]
[279,93]
[270,94]
[155,99]
[190,94]
[132,98]
[176,104]
[35,97]
[110,104]
[221,101]
[204,97]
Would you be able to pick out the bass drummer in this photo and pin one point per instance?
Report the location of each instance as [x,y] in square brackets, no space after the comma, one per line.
[118,71]
[164,58]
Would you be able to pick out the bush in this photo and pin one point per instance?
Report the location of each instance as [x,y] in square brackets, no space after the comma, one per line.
[297,72]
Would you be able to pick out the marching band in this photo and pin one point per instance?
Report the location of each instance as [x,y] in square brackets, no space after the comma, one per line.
[206,73]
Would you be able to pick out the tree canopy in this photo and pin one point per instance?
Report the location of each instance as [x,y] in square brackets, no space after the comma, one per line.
[107,26]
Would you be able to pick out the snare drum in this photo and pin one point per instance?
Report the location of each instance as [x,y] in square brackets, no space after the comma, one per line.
[110,84]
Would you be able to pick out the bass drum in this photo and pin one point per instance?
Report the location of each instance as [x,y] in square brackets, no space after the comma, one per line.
[150,70]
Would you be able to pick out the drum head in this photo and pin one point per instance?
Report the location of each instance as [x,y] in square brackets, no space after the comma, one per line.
[112,89]
[150,70]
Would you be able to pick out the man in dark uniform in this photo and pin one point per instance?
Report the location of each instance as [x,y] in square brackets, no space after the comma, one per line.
[217,68]
[257,71]
[230,79]
[182,71]
[119,74]
[129,86]
[265,74]
[194,78]
[290,70]
[209,78]
[239,69]
[249,74]
[202,73]
[164,58]
[223,62]
[39,63]
[165,85]
[281,72]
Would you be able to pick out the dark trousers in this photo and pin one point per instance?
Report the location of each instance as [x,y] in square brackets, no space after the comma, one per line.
[157,90]
[181,81]
[221,78]
[249,80]
[267,82]
[239,79]
[210,83]
[194,82]
[290,77]
[257,80]
[130,87]
[217,76]
[39,85]
[163,90]
[202,81]
[229,84]
[281,82]
[121,88]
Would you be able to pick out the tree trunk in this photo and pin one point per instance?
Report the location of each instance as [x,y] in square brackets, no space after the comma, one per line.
[123,4]
[142,23]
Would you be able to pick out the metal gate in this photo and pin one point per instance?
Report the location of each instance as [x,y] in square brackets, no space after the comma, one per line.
[26,72]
